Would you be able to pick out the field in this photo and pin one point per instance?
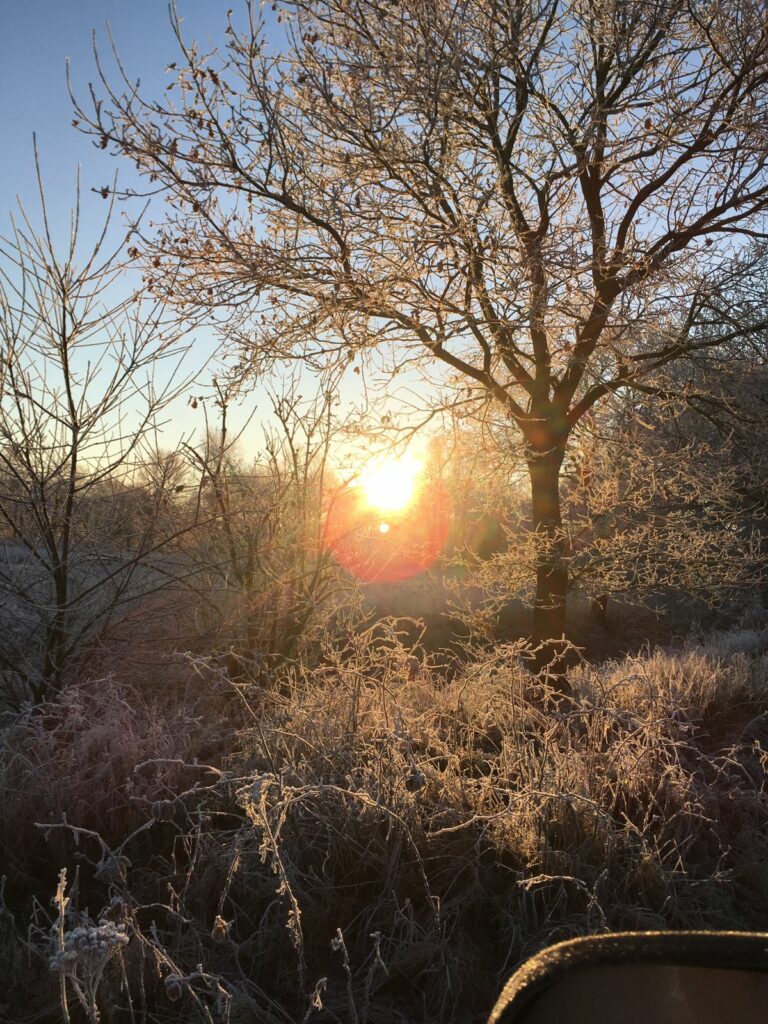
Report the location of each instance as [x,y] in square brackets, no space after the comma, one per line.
[369,840]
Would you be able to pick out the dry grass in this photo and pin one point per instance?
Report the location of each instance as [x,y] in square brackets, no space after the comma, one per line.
[374,844]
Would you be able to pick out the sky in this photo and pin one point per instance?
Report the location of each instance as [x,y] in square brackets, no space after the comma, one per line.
[38,38]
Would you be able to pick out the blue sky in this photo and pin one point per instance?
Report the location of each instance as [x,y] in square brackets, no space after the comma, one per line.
[38,38]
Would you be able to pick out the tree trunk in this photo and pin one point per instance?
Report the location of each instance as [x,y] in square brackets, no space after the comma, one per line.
[599,609]
[551,565]
[56,635]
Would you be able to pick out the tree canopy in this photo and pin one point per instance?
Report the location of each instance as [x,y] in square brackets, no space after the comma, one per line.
[540,195]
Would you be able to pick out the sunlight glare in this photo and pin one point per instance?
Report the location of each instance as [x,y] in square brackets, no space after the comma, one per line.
[391,485]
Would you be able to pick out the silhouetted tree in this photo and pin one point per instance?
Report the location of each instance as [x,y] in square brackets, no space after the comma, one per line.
[539,195]
[85,379]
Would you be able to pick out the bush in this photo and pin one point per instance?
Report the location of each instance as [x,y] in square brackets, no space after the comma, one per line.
[375,843]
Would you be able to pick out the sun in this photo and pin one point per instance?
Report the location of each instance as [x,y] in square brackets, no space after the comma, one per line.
[390,520]
[390,485]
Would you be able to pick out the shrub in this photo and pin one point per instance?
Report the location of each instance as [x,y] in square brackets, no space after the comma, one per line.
[382,844]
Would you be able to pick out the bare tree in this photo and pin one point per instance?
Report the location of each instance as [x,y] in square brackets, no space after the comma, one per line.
[86,376]
[536,195]
[260,546]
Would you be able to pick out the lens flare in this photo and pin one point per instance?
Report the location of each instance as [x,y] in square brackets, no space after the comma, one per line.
[390,523]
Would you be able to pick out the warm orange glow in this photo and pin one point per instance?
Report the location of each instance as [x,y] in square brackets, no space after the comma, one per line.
[389,523]
[390,485]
